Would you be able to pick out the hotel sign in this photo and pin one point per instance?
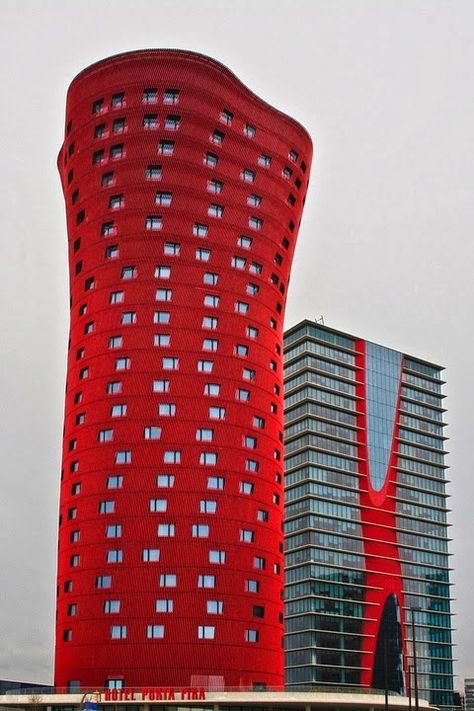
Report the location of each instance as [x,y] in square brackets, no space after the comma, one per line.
[164,693]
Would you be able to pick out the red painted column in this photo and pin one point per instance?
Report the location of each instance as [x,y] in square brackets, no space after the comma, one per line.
[184,193]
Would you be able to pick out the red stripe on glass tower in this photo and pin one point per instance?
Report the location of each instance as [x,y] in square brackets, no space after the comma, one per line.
[184,193]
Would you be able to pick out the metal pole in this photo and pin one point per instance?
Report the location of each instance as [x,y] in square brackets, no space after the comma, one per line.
[410,667]
[415,668]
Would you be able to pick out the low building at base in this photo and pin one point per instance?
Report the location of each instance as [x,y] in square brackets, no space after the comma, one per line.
[199,699]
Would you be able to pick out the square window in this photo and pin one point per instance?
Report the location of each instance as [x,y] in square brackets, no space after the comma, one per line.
[211,159]
[118,100]
[205,366]
[123,457]
[118,632]
[155,631]
[241,307]
[154,222]
[203,255]
[151,555]
[206,581]
[215,607]
[117,151]
[172,457]
[251,635]
[172,248]
[215,482]
[153,172]
[210,278]
[116,202]
[114,531]
[208,459]
[114,556]
[218,557]
[249,130]
[212,389]
[97,106]
[166,148]
[161,340]
[246,487]
[252,586]
[152,432]
[107,179]
[128,317]
[215,186]
[122,364]
[254,200]
[200,230]
[206,632]
[168,580]
[166,530]
[170,363]
[238,262]
[172,122]
[246,536]
[217,137]
[117,297]
[161,317]
[167,409]
[244,242]
[200,530]
[163,198]
[128,272]
[162,271]
[118,125]
[108,228]
[255,223]
[215,210]
[164,606]
[150,121]
[171,96]
[211,300]
[217,413]
[111,607]
[163,295]
[161,386]
[226,116]
[247,175]
[103,581]
[165,481]
[158,505]
[111,252]
[207,506]
[150,96]
[98,157]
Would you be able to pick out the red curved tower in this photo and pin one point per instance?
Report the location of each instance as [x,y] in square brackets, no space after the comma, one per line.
[184,193]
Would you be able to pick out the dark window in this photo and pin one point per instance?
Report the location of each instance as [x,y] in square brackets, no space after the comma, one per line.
[97,106]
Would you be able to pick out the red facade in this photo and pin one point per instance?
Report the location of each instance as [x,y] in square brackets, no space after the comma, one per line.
[184,193]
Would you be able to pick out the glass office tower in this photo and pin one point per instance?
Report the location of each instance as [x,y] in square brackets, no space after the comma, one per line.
[367,563]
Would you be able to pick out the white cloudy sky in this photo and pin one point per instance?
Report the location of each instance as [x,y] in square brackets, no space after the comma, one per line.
[385,250]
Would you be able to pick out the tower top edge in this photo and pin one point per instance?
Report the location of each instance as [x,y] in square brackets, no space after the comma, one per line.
[182,54]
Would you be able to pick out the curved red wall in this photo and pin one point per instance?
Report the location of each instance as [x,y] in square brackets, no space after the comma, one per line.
[103,163]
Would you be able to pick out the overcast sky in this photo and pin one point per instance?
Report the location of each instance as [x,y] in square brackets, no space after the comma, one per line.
[385,248]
